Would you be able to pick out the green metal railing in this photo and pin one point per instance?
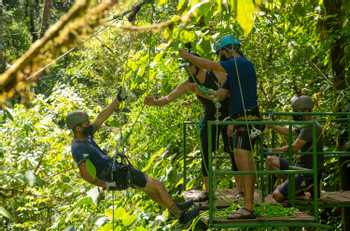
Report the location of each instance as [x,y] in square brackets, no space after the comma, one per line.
[214,174]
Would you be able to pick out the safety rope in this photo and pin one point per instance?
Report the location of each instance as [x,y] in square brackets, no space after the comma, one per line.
[124,139]
[244,111]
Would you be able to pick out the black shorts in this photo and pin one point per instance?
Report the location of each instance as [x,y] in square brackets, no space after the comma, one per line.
[127,176]
[302,183]
[241,139]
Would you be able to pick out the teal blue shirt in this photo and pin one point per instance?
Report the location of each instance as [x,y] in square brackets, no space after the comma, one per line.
[247,77]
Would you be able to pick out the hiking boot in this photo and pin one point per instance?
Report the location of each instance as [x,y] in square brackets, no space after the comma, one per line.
[187,216]
[184,205]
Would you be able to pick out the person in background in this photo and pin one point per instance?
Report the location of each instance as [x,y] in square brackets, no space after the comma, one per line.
[303,143]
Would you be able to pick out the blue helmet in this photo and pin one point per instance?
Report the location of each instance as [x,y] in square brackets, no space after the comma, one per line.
[226,41]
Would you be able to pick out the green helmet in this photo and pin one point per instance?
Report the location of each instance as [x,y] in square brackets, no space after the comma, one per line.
[75,118]
[226,41]
[301,103]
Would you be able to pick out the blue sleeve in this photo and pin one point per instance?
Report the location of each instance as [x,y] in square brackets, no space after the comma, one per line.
[80,154]
[227,65]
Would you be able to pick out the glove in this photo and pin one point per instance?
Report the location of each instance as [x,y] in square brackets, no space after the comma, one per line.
[111,186]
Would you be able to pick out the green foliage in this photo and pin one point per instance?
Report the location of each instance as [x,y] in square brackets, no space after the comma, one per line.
[40,185]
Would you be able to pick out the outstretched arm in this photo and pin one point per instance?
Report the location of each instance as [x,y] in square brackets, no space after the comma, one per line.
[280,129]
[181,89]
[201,62]
[296,146]
[106,113]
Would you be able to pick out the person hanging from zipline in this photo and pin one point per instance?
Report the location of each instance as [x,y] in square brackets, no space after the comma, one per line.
[241,88]
[97,168]
[303,143]
[211,81]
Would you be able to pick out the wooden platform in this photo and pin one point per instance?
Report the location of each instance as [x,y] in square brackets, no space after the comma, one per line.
[300,216]
[329,199]
[223,198]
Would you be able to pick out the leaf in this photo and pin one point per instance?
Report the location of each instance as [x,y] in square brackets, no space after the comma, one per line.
[91,168]
[30,177]
[162,2]
[245,15]
[128,219]
[70,228]
[5,213]
[94,194]
[101,221]
[181,4]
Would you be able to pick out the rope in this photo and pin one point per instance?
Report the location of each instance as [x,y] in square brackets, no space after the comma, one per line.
[244,109]
[124,139]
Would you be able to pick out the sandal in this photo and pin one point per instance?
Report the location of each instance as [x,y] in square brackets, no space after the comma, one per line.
[243,213]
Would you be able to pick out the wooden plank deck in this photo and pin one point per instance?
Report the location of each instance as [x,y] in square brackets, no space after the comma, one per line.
[224,198]
[329,199]
[335,197]
[299,217]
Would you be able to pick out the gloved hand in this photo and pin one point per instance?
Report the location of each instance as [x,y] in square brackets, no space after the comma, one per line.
[111,186]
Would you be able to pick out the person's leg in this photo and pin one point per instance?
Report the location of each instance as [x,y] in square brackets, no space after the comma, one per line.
[245,162]
[156,191]
[228,148]
[205,161]
[272,162]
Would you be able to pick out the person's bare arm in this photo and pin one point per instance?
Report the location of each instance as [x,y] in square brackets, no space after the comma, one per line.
[106,113]
[280,129]
[296,146]
[180,90]
[201,62]
[222,93]
[91,179]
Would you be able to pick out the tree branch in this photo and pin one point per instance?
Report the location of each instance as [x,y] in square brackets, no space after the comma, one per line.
[159,26]
[66,33]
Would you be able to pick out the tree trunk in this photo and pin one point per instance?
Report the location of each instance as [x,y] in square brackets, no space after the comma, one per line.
[46,17]
[30,12]
[335,16]
[334,10]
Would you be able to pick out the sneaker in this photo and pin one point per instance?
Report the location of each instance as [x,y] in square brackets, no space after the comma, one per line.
[187,216]
[184,205]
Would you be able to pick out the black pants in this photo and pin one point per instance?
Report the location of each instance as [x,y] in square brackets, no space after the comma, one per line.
[228,147]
